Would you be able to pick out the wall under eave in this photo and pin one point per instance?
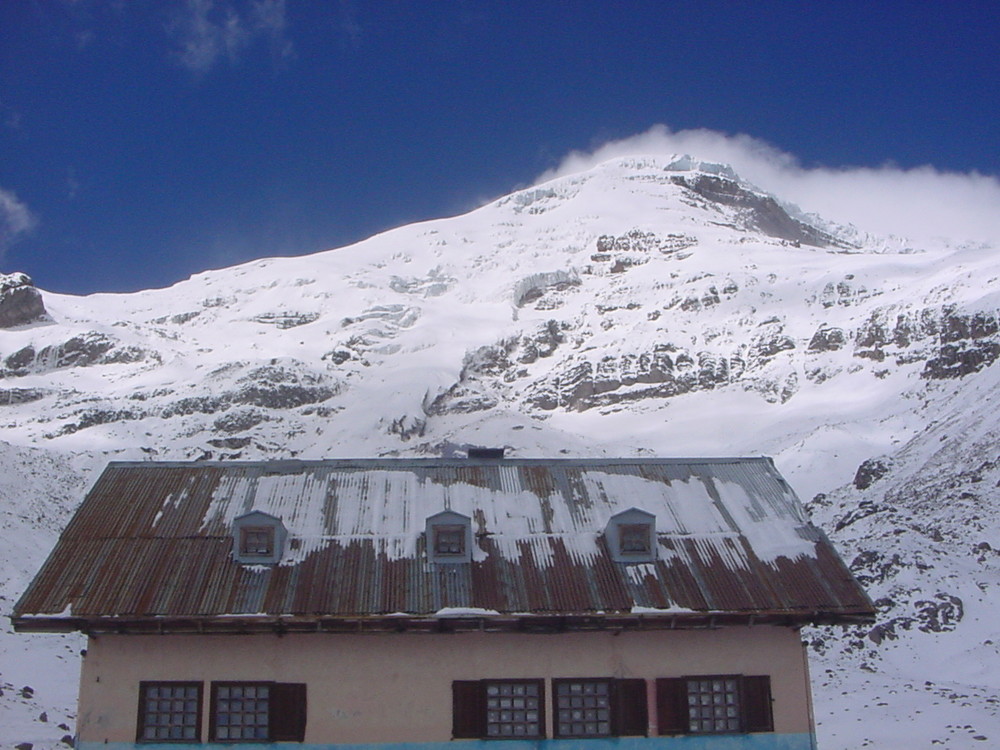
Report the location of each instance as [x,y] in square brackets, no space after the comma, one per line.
[395,689]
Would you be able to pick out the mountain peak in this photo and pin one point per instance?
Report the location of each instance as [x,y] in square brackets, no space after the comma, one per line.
[711,187]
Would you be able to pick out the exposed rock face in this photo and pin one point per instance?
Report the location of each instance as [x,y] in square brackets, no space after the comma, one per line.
[759,212]
[870,472]
[20,302]
[285,320]
[238,420]
[955,361]
[827,339]
[663,372]
[951,344]
[643,242]
[9,396]
[281,385]
[91,348]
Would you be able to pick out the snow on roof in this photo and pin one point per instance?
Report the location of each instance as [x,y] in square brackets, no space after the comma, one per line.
[731,537]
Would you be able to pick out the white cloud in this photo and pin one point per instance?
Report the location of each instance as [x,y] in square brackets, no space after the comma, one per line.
[920,203]
[207,31]
[15,219]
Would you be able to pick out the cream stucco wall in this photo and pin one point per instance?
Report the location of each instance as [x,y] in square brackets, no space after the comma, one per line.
[397,687]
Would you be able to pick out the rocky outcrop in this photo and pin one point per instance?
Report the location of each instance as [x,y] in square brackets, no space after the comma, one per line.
[871,471]
[582,381]
[769,341]
[844,293]
[98,416]
[951,344]
[956,361]
[282,387]
[87,349]
[239,420]
[757,211]
[178,318]
[542,343]
[11,396]
[635,248]
[285,385]
[827,339]
[637,241]
[285,320]
[664,372]
[20,302]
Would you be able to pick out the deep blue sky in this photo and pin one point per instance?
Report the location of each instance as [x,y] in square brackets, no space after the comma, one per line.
[141,142]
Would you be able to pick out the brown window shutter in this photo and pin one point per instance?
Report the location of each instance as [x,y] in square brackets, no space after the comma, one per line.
[631,718]
[757,716]
[212,703]
[288,712]
[671,705]
[468,714]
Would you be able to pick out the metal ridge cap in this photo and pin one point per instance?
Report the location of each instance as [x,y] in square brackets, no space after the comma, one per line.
[441,461]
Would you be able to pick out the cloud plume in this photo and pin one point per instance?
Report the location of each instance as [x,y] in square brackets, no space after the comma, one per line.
[207,32]
[15,219]
[921,204]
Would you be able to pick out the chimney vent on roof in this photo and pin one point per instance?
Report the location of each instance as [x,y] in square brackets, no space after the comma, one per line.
[486,452]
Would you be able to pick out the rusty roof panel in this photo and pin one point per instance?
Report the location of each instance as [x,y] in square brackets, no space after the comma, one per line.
[154,540]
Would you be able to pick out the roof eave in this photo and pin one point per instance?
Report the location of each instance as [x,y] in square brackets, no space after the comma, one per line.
[545,622]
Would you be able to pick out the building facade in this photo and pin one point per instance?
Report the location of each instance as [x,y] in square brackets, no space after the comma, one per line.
[422,603]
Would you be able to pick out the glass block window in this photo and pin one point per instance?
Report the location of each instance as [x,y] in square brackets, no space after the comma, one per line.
[241,711]
[257,540]
[513,709]
[633,538]
[169,712]
[713,705]
[583,708]
[449,540]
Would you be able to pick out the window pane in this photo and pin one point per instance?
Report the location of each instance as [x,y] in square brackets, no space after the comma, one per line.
[257,540]
[166,715]
[449,540]
[714,705]
[583,708]
[512,709]
[242,712]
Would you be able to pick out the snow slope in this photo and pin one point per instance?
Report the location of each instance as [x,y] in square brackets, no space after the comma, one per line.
[646,307]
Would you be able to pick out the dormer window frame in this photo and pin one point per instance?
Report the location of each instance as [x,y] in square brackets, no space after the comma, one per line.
[634,538]
[630,536]
[449,539]
[446,531]
[258,538]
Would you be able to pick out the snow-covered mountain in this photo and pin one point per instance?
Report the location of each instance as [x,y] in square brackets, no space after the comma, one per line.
[646,307]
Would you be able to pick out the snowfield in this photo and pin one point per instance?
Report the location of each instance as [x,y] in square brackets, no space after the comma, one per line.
[647,307]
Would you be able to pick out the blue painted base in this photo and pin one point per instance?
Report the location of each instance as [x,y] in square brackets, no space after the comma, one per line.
[763,741]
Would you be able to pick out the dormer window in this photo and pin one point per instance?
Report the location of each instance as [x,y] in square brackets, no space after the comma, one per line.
[631,536]
[258,539]
[449,538]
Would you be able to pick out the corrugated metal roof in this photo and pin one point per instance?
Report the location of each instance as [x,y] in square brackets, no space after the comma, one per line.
[153,540]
